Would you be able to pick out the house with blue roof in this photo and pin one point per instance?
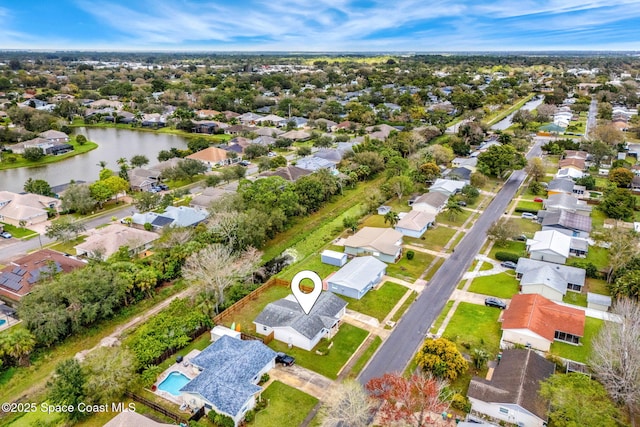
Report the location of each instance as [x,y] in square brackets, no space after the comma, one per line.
[180,216]
[230,370]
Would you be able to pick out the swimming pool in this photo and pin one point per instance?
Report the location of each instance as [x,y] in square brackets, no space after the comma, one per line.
[2,322]
[173,383]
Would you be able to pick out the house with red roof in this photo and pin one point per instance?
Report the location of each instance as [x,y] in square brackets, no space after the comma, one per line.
[535,321]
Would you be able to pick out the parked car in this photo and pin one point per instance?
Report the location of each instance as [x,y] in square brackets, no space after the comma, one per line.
[520,238]
[538,199]
[154,190]
[462,203]
[495,302]
[245,163]
[6,235]
[163,187]
[285,359]
[509,264]
[272,154]
[529,215]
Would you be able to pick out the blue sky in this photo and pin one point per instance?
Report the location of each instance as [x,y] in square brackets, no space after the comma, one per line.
[320,25]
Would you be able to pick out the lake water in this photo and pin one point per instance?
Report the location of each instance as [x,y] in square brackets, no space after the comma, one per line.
[112,145]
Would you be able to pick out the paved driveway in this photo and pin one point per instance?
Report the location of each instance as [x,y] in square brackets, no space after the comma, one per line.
[303,379]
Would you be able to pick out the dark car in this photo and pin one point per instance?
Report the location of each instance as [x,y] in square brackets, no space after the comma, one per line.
[285,359]
[245,163]
[462,203]
[163,187]
[495,302]
[509,264]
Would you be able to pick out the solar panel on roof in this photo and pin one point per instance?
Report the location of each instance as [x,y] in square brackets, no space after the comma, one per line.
[3,279]
[15,270]
[14,285]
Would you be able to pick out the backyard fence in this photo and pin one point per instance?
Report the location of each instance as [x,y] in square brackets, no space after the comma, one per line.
[228,314]
[146,402]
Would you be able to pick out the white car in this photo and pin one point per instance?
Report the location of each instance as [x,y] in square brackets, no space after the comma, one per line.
[529,215]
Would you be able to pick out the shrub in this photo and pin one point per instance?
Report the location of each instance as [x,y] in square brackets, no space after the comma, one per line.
[149,375]
[507,256]
[590,268]
[461,403]
[260,405]
[148,226]
[529,210]
[410,255]
[264,378]
[323,348]
[250,416]
[220,420]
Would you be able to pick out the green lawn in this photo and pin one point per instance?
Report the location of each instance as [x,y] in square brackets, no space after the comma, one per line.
[20,162]
[18,232]
[476,326]
[597,286]
[284,403]
[362,361]
[436,238]
[37,418]
[433,270]
[575,298]
[250,311]
[597,218]
[399,205]
[68,247]
[525,226]
[438,322]
[405,305]
[379,302]
[579,353]
[518,248]
[375,221]
[535,206]
[598,256]
[312,263]
[410,270]
[457,221]
[501,285]
[345,343]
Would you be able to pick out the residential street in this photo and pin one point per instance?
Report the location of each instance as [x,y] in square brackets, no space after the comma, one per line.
[396,352]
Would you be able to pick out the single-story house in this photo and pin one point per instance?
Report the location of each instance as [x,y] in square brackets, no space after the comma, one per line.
[229,372]
[560,186]
[207,197]
[549,280]
[330,257]
[181,216]
[106,241]
[313,163]
[357,277]
[460,175]
[535,321]
[578,164]
[415,223]
[567,202]
[19,277]
[383,243]
[431,202]
[54,136]
[249,118]
[448,187]
[598,302]
[569,223]
[568,172]
[470,163]
[296,135]
[142,179]
[512,393]
[289,173]
[289,324]
[550,245]
[211,156]
[30,208]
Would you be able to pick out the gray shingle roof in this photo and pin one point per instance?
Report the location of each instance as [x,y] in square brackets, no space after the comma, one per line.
[228,368]
[515,380]
[561,184]
[358,273]
[568,220]
[569,274]
[287,312]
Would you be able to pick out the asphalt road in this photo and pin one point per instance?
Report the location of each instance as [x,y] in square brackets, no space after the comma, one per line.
[591,118]
[396,352]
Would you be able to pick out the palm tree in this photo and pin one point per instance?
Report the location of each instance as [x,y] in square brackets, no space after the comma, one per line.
[19,344]
[102,164]
[453,209]
[392,218]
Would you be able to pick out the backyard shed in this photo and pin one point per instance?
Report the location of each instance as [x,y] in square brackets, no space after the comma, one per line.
[598,302]
[333,258]
[220,331]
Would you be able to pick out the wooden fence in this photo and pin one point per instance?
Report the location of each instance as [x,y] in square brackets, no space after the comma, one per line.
[227,314]
[175,417]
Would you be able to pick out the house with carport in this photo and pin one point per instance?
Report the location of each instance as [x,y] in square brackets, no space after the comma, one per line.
[289,324]
[357,277]
[535,321]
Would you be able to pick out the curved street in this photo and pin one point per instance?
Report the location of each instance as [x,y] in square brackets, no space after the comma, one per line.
[396,352]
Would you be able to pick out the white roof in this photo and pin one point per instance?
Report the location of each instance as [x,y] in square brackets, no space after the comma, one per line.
[416,220]
[358,273]
[550,241]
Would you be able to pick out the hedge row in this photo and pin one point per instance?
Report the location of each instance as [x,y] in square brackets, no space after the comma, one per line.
[507,256]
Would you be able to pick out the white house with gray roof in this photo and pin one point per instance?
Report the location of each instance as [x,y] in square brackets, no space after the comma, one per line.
[448,187]
[549,280]
[357,277]
[415,223]
[383,243]
[229,372]
[289,324]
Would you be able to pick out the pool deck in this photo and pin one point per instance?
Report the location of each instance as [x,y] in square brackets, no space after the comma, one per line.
[184,368]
